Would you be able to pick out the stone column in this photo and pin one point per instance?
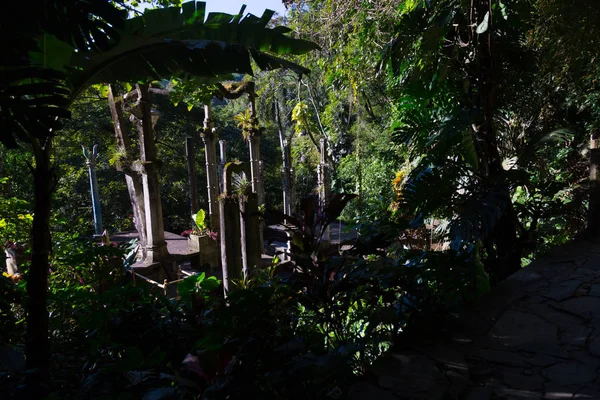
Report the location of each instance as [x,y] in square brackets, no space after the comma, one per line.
[323,181]
[255,161]
[11,261]
[254,148]
[209,137]
[222,162]
[190,152]
[288,201]
[230,232]
[133,179]
[156,247]
[97,210]
[252,225]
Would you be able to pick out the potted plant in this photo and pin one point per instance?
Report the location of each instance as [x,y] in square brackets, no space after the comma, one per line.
[204,240]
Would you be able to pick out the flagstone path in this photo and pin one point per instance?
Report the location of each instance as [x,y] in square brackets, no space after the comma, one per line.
[535,336]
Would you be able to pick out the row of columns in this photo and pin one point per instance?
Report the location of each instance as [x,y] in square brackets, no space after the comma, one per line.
[155,250]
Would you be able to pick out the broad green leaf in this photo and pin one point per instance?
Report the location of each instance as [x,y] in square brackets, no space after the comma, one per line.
[483,27]
[176,42]
[200,219]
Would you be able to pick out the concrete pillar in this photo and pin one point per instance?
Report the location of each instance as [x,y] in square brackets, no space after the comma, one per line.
[287,178]
[97,210]
[11,261]
[190,152]
[156,247]
[253,243]
[230,231]
[324,183]
[222,162]
[209,137]
[255,161]
[254,147]
[229,235]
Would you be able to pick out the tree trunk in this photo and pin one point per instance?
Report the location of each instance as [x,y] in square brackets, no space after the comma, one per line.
[37,349]
[507,259]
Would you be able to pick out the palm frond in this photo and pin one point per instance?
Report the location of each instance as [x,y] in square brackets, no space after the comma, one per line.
[33,93]
[33,100]
[181,42]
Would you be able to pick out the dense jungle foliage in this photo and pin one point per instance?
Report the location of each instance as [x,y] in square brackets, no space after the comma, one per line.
[462,143]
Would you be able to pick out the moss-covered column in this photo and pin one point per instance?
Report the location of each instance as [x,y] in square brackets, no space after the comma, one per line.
[156,247]
[324,183]
[253,133]
[222,162]
[229,228]
[210,135]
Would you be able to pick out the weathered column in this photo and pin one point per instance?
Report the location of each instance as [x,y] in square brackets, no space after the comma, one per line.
[133,178]
[252,226]
[222,162]
[156,247]
[230,232]
[243,236]
[209,136]
[254,148]
[287,179]
[11,260]
[323,181]
[90,158]
[593,226]
[190,152]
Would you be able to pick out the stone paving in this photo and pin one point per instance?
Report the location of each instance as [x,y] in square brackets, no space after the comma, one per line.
[535,336]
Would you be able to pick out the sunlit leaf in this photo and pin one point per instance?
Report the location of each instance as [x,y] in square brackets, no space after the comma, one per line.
[483,27]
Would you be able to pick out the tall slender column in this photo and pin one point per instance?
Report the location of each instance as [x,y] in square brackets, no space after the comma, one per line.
[156,247]
[254,147]
[222,162]
[229,233]
[133,179]
[255,162]
[190,152]
[324,183]
[97,211]
[287,179]
[209,137]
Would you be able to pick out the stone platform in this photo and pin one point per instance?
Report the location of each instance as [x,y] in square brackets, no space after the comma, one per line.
[535,336]
[178,247]
[180,252]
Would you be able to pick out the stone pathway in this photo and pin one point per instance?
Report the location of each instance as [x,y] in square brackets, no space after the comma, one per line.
[535,336]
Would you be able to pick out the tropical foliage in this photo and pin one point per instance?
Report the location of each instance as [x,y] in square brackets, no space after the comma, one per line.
[458,139]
